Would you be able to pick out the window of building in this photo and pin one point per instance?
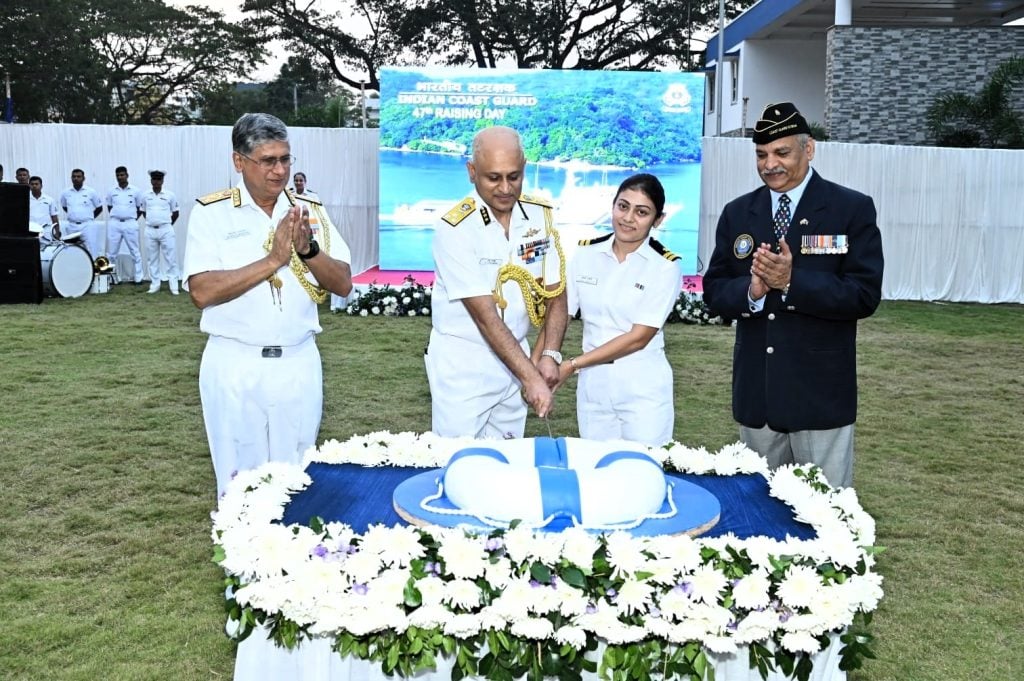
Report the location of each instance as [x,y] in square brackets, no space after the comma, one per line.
[734,70]
[711,92]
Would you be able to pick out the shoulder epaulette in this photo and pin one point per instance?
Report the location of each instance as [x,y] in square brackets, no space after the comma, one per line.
[536,200]
[460,212]
[308,199]
[660,249]
[232,194]
[596,239]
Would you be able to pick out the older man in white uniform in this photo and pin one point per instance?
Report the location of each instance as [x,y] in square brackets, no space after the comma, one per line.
[160,209]
[253,268]
[83,205]
[123,221]
[496,255]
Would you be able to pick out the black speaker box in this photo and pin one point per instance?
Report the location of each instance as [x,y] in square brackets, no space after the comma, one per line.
[14,209]
[21,279]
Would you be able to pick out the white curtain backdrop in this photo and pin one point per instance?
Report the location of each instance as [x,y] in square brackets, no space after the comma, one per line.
[952,220]
[340,164]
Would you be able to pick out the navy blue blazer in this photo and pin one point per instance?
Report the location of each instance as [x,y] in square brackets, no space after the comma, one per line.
[795,361]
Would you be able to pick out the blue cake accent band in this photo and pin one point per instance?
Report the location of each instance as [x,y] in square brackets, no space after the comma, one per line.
[547,453]
[609,459]
[560,492]
[477,451]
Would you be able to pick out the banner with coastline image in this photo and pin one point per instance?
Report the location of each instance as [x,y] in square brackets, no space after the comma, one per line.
[583,133]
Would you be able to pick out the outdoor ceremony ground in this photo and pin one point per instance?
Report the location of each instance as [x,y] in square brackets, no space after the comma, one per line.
[107,484]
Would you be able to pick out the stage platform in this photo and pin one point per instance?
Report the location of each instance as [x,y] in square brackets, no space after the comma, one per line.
[395,278]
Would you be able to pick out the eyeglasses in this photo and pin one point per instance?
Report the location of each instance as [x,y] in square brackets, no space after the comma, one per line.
[270,162]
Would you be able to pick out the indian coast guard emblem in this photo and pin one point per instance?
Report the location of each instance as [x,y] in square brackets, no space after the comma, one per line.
[743,246]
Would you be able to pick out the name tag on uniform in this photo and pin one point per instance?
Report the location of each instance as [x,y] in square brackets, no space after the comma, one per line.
[237,234]
[490,261]
[585,279]
[824,244]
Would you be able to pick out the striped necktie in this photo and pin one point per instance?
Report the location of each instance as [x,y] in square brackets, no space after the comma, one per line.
[782,218]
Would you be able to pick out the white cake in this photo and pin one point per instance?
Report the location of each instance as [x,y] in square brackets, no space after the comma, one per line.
[536,480]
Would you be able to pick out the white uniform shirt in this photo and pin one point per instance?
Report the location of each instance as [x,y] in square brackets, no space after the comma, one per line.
[123,203]
[614,296]
[157,207]
[81,204]
[42,210]
[467,257]
[223,236]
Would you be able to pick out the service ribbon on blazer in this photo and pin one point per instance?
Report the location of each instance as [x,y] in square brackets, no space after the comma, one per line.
[824,244]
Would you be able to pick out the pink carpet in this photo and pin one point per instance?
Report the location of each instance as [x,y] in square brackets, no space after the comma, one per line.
[395,278]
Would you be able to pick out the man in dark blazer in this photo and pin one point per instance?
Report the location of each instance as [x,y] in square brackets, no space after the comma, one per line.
[796,263]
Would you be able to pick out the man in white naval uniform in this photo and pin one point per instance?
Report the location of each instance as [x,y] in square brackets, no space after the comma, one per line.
[253,268]
[123,221]
[83,205]
[490,247]
[42,210]
[160,208]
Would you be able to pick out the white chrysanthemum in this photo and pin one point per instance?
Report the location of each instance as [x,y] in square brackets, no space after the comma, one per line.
[389,587]
[432,590]
[498,573]
[544,599]
[756,626]
[663,571]
[833,607]
[799,586]
[624,554]
[571,636]
[462,593]
[634,597]
[429,617]
[707,584]
[361,566]
[864,591]
[800,642]
[532,628]
[760,550]
[403,547]
[675,605]
[464,557]
[682,551]
[519,543]
[720,645]
[752,591]
[571,601]
[273,548]
[463,625]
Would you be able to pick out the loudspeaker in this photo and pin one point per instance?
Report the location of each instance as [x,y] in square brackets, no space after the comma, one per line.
[21,278]
[14,209]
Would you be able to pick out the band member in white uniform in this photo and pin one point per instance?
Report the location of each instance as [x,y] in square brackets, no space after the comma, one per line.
[83,205]
[42,210]
[624,284]
[160,209]
[253,268]
[123,221]
[499,267]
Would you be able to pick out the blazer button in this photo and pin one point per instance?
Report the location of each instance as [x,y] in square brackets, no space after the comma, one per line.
[771,317]
[744,314]
[770,350]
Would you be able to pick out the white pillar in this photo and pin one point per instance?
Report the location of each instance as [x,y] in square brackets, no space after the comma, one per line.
[844,12]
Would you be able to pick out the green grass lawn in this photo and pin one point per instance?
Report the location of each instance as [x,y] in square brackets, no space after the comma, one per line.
[106,484]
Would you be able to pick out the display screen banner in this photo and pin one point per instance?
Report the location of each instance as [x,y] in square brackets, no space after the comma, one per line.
[583,133]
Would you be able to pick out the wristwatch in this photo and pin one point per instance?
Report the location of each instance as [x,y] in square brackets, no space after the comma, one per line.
[314,248]
[553,354]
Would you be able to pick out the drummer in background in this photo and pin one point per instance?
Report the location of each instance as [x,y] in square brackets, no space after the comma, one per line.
[42,210]
[625,284]
[83,205]
[123,222]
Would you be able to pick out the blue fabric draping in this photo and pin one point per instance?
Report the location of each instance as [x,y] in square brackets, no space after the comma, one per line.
[361,497]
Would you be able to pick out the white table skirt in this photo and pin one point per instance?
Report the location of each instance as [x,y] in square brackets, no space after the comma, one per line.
[261,659]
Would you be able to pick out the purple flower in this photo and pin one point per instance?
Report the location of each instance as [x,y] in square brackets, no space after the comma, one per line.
[591,609]
[494,544]
[612,593]
[360,589]
[320,551]
[685,587]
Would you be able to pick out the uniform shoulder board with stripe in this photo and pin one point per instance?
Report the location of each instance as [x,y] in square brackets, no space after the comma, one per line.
[660,249]
[460,211]
[219,196]
[596,239]
[535,200]
[308,199]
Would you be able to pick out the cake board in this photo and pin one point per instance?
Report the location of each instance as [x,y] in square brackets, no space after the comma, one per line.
[697,509]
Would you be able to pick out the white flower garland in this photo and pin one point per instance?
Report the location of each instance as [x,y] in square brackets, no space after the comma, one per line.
[740,592]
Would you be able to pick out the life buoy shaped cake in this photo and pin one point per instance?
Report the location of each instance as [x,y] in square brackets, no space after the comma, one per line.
[546,482]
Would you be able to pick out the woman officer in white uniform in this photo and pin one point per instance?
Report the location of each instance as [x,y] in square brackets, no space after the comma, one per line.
[625,284]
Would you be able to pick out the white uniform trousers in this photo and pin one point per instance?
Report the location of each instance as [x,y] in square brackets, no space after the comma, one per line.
[628,399]
[126,231]
[472,392]
[831,450]
[91,237]
[160,241]
[259,407]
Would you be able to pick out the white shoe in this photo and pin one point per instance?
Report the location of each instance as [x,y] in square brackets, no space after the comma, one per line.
[173,284]
[174,291]
[153,288]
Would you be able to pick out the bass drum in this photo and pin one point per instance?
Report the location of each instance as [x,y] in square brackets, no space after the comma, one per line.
[67,270]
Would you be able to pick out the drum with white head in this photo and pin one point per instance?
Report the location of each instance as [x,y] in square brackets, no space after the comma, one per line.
[67,270]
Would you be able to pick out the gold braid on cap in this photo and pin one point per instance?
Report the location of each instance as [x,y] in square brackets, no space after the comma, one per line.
[317,295]
[535,294]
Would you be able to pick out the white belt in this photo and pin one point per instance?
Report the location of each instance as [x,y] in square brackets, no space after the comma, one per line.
[125,219]
[265,351]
